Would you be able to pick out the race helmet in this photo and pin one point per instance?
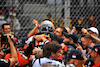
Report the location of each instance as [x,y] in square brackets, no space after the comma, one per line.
[46,27]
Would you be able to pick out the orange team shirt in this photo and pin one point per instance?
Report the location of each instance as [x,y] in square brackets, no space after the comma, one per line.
[22,59]
[98,65]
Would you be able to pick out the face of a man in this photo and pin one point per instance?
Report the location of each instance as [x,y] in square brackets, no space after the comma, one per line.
[58,32]
[80,63]
[93,55]
[85,42]
[75,62]
[6,29]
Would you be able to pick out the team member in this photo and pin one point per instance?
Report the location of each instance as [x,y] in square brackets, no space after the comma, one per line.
[11,61]
[75,59]
[95,55]
[51,51]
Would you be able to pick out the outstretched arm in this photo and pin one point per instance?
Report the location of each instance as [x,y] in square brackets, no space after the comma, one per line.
[14,58]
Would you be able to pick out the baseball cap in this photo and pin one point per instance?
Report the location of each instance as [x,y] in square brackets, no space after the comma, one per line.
[75,54]
[93,29]
[96,48]
[90,47]
[73,37]
[22,41]
[69,47]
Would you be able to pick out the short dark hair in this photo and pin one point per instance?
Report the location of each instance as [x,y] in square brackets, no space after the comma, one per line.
[5,24]
[52,46]
[64,30]
[87,36]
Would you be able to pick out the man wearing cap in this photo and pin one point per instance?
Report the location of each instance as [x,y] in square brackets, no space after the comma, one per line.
[95,55]
[92,30]
[75,58]
[70,39]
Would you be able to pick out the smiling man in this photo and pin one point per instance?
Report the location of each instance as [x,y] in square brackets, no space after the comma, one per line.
[86,41]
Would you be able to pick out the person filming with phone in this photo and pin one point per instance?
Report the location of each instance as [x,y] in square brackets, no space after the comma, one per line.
[11,61]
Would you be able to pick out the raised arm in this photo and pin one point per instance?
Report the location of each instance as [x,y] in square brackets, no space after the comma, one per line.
[80,48]
[34,30]
[14,58]
[94,37]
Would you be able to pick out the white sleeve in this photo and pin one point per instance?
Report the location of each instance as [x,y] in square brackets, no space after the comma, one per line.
[29,40]
[58,64]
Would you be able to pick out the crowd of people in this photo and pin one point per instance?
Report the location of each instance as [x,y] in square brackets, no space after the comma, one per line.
[46,46]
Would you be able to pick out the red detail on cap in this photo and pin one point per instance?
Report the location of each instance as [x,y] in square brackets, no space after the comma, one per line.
[73,56]
[96,49]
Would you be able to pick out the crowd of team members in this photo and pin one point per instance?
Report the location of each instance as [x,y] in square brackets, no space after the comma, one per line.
[46,46]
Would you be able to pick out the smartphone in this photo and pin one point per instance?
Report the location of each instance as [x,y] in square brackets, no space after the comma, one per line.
[5,43]
[4,39]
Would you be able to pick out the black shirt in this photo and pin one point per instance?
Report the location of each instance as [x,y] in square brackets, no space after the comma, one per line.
[4,63]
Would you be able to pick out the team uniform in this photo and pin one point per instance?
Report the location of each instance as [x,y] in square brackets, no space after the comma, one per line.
[22,59]
[98,65]
[40,45]
[39,62]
